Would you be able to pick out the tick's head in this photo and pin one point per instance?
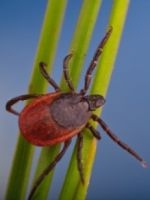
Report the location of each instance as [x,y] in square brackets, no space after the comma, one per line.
[94,101]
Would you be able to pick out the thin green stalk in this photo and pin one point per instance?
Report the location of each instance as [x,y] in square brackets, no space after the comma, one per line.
[19,176]
[79,46]
[76,190]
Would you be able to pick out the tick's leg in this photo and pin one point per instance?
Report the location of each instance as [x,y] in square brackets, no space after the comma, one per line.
[79,156]
[48,169]
[117,140]
[11,102]
[66,73]
[47,77]
[79,148]
[94,61]
[95,132]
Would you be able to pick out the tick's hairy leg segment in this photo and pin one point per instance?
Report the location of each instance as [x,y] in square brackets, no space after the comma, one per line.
[117,140]
[94,131]
[95,59]
[13,101]
[49,168]
[66,73]
[79,156]
[47,77]
[80,146]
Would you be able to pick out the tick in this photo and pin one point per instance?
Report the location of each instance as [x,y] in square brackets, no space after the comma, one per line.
[56,117]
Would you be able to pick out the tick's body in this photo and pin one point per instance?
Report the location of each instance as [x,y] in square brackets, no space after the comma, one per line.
[57,117]
[53,118]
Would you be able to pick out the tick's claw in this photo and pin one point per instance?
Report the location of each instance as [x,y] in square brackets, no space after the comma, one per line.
[144,164]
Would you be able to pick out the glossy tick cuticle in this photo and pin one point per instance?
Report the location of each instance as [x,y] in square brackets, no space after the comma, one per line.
[56,117]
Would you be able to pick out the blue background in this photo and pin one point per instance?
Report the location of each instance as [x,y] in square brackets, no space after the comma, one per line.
[116,175]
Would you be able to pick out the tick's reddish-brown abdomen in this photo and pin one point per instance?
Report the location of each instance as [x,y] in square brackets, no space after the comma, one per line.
[38,126]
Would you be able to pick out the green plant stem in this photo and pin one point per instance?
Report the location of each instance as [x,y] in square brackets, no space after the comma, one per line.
[19,176]
[79,46]
[76,190]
